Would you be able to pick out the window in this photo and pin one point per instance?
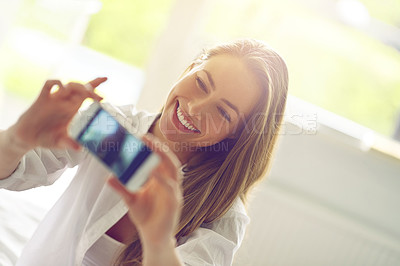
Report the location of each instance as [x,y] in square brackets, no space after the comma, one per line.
[347,65]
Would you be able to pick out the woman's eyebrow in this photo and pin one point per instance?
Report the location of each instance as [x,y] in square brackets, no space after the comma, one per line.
[231,105]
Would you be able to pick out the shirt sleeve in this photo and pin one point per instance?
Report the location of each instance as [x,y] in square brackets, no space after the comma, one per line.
[41,167]
[215,243]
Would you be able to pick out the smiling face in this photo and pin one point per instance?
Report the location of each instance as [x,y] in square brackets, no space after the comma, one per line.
[209,103]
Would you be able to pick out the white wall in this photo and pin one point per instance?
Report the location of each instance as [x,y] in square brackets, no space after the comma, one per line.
[328,200]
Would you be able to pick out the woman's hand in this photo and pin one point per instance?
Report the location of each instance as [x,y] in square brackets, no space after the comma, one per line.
[155,208]
[45,122]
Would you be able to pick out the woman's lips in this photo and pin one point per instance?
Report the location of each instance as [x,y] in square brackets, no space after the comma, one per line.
[178,124]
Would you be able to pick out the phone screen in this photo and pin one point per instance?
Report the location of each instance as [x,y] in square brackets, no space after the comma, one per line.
[113,145]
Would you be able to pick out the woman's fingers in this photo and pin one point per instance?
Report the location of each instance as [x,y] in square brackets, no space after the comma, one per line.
[91,85]
[80,91]
[96,82]
[86,90]
[128,197]
[170,185]
[48,85]
[163,151]
[46,121]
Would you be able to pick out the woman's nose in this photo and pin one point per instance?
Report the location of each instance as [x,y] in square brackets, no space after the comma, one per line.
[196,107]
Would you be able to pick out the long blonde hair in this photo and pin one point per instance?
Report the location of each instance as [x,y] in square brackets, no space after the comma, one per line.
[216,176]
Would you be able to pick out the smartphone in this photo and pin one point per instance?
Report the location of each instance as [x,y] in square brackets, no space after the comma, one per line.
[113,145]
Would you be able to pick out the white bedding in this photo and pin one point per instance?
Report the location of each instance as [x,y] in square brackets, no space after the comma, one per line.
[21,212]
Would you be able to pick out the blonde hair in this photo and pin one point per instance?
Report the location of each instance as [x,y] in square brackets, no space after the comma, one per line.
[216,176]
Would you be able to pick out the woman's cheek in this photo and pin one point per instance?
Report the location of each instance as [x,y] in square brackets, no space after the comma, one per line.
[215,126]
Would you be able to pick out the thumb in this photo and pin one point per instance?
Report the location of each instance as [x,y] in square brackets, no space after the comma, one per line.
[128,197]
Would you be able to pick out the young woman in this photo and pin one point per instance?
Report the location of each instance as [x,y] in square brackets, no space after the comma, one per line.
[216,134]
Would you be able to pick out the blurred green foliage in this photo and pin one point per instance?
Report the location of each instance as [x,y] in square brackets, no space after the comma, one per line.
[21,76]
[123,29]
[126,29]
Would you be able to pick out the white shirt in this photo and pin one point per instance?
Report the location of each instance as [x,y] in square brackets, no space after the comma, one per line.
[89,207]
[103,252]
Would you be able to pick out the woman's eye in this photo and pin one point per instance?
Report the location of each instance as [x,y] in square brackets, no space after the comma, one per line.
[201,84]
[224,114]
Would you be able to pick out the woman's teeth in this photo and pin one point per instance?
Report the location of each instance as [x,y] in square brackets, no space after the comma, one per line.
[183,121]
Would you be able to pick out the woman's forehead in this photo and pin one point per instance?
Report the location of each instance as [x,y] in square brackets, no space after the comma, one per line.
[233,81]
